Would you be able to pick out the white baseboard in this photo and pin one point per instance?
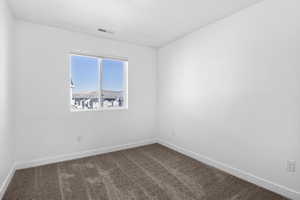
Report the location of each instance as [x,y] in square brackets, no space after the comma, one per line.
[282,190]
[73,156]
[6,182]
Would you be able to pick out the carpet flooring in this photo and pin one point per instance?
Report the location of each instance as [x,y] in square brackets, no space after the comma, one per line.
[149,172]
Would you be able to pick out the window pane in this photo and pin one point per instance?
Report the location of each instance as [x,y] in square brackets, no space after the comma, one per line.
[84,83]
[112,93]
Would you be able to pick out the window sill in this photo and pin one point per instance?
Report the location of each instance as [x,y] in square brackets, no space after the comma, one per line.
[114,108]
[101,109]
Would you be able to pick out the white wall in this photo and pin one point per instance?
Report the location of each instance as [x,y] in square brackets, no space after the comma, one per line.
[231,91]
[45,127]
[6,134]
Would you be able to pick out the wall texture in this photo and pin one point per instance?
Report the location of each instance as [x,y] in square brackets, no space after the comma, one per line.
[231,91]
[45,127]
[6,108]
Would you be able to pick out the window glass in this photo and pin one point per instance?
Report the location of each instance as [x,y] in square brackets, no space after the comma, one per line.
[97,83]
[112,94]
[84,83]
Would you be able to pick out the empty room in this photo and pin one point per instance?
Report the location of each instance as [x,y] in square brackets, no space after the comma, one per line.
[149,100]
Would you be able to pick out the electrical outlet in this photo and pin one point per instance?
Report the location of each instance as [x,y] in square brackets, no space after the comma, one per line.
[173,133]
[291,166]
[79,139]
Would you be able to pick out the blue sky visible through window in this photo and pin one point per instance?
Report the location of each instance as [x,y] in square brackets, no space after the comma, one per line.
[85,74]
[112,75]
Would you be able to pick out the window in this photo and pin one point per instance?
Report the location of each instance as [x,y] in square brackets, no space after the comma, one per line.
[97,83]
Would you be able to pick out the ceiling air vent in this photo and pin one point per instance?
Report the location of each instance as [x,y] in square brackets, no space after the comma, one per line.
[105,31]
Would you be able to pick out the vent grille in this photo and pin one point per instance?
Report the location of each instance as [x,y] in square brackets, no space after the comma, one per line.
[105,30]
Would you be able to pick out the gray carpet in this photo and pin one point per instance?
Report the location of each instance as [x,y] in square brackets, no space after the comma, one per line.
[150,172]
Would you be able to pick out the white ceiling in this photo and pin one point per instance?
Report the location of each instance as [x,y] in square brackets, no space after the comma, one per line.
[148,22]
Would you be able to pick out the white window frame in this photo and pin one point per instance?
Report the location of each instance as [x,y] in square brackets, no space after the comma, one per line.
[99,59]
